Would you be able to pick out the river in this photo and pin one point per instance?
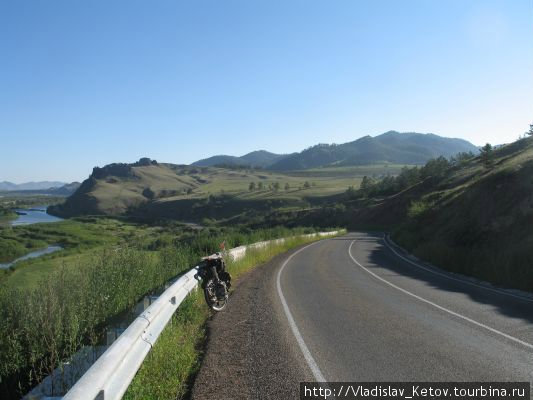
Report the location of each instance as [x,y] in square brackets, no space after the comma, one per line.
[33,254]
[33,216]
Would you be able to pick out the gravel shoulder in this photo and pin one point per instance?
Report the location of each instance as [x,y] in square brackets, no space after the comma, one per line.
[251,353]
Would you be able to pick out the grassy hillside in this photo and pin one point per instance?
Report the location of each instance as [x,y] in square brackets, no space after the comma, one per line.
[476,219]
[479,220]
[154,190]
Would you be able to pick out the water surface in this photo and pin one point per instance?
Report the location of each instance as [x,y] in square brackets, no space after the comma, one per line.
[33,254]
[33,216]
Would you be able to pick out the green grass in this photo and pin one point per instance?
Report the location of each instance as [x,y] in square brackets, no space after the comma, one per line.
[16,241]
[169,369]
[477,221]
[236,183]
[77,238]
[85,236]
[28,274]
[371,170]
[71,296]
[176,357]
[6,215]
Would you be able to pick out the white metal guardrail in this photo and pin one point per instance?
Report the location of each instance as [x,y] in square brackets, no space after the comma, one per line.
[109,377]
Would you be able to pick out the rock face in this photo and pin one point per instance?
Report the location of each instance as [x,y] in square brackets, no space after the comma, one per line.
[118,169]
[144,162]
[80,202]
[121,170]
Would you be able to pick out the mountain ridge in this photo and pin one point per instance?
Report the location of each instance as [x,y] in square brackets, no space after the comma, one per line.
[257,158]
[41,185]
[388,147]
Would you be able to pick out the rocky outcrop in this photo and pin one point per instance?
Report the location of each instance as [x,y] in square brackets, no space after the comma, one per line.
[117,169]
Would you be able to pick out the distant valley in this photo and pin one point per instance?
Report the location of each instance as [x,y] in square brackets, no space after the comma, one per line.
[45,187]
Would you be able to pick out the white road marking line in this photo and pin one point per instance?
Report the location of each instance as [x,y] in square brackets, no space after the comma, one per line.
[505,335]
[451,277]
[303,347]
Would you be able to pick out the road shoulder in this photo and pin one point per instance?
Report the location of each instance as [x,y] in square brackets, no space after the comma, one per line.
[250,352]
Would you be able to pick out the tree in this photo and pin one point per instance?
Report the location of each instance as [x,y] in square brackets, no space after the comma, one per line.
[407,177]
[275,186]
[530,132]
[462,158]
[287,186]
[260,185]
[366,185]
[251,187]
[487,156]
[351,192]
[307,185]
[436,168]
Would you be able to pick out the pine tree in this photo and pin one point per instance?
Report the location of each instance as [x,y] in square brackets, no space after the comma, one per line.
[366,184]
[487,155]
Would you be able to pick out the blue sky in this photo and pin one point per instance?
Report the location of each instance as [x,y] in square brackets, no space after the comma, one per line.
[86,83]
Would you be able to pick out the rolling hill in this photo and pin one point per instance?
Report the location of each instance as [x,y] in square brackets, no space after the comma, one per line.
[390,147]
[159,190]
[259,158]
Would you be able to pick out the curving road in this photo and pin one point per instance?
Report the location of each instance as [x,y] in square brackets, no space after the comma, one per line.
[355,308]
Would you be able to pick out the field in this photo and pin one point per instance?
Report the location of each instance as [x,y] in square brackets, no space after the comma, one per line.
[321,181]
[372,170]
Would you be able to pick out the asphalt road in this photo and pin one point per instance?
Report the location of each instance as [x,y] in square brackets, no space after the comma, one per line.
[351,309]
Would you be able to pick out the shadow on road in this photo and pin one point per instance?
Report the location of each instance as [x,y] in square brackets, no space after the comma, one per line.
[380,256]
